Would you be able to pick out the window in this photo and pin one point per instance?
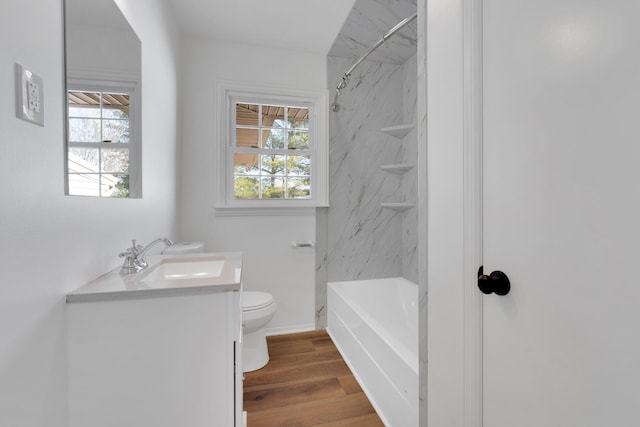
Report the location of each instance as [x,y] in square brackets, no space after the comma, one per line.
[271,154]
[101,142]
[274,150]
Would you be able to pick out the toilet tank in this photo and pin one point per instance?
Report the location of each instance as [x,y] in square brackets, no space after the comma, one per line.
[184,248]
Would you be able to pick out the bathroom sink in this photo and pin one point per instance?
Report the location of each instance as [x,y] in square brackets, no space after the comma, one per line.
[168,275]
[181,271]
[186,268]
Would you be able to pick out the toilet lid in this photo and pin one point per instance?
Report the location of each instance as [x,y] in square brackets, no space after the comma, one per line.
[255,300]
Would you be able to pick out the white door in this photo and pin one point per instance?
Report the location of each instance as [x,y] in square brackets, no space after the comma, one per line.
[562,212]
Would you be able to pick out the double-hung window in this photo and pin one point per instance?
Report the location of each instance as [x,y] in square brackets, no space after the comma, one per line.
[102,142]
[274,147]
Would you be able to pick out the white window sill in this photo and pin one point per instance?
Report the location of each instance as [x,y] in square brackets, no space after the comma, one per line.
[230,211]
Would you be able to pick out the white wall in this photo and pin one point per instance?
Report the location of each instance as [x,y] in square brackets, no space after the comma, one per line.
[101,48]
[270,264]
[53,243]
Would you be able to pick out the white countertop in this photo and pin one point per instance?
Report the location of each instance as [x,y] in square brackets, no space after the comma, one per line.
[223,273]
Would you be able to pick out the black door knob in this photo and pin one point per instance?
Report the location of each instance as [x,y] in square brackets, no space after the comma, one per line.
[497,282]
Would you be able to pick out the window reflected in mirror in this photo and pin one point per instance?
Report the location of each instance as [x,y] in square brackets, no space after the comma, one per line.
[99,143]
[103,78]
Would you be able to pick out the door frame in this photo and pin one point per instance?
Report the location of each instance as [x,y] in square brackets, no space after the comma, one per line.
[453,34]
[472,34]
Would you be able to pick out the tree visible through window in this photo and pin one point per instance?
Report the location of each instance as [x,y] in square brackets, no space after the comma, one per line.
[271,152]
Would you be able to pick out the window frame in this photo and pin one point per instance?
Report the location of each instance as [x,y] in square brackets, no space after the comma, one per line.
[228,95]
[95,82]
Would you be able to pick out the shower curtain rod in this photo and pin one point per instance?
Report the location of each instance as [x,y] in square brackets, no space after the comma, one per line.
[347,74]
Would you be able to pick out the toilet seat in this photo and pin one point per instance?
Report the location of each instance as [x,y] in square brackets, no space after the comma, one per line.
[256,300]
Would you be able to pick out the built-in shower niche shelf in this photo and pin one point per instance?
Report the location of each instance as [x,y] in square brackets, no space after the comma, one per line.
[399,131]
[397,206]
[400,168]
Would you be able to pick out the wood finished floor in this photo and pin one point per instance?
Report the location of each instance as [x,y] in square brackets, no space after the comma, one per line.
[305,383]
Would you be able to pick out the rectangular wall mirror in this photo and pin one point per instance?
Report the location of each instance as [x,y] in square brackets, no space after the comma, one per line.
[103,81]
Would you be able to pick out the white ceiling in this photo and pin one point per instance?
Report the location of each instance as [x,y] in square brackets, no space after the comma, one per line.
[303,25]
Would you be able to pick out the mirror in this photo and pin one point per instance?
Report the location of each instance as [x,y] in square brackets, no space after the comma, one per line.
[103,79]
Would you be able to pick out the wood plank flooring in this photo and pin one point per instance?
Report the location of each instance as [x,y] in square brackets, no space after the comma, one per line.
[305,383]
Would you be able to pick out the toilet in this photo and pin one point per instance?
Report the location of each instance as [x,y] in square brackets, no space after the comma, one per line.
[258,309]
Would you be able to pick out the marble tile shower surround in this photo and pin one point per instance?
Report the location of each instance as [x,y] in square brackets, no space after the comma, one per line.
[421,232]
[366,24]
[364,241]
[410,179]
[356,238]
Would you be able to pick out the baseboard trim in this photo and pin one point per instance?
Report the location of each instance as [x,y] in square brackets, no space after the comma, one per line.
[282,330]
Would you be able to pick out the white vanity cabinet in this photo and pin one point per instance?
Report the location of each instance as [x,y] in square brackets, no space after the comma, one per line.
[157,358]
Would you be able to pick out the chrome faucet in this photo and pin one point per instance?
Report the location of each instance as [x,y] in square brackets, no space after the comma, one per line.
[134,261]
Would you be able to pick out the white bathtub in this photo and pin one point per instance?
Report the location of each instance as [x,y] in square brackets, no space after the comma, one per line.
[374,324]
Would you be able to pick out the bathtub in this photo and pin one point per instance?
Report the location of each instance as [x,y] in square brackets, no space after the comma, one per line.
[374,324]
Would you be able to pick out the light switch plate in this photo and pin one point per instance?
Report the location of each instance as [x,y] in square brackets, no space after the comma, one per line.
[29,96]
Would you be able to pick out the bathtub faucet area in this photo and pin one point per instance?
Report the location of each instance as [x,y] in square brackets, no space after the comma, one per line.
[134,261]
